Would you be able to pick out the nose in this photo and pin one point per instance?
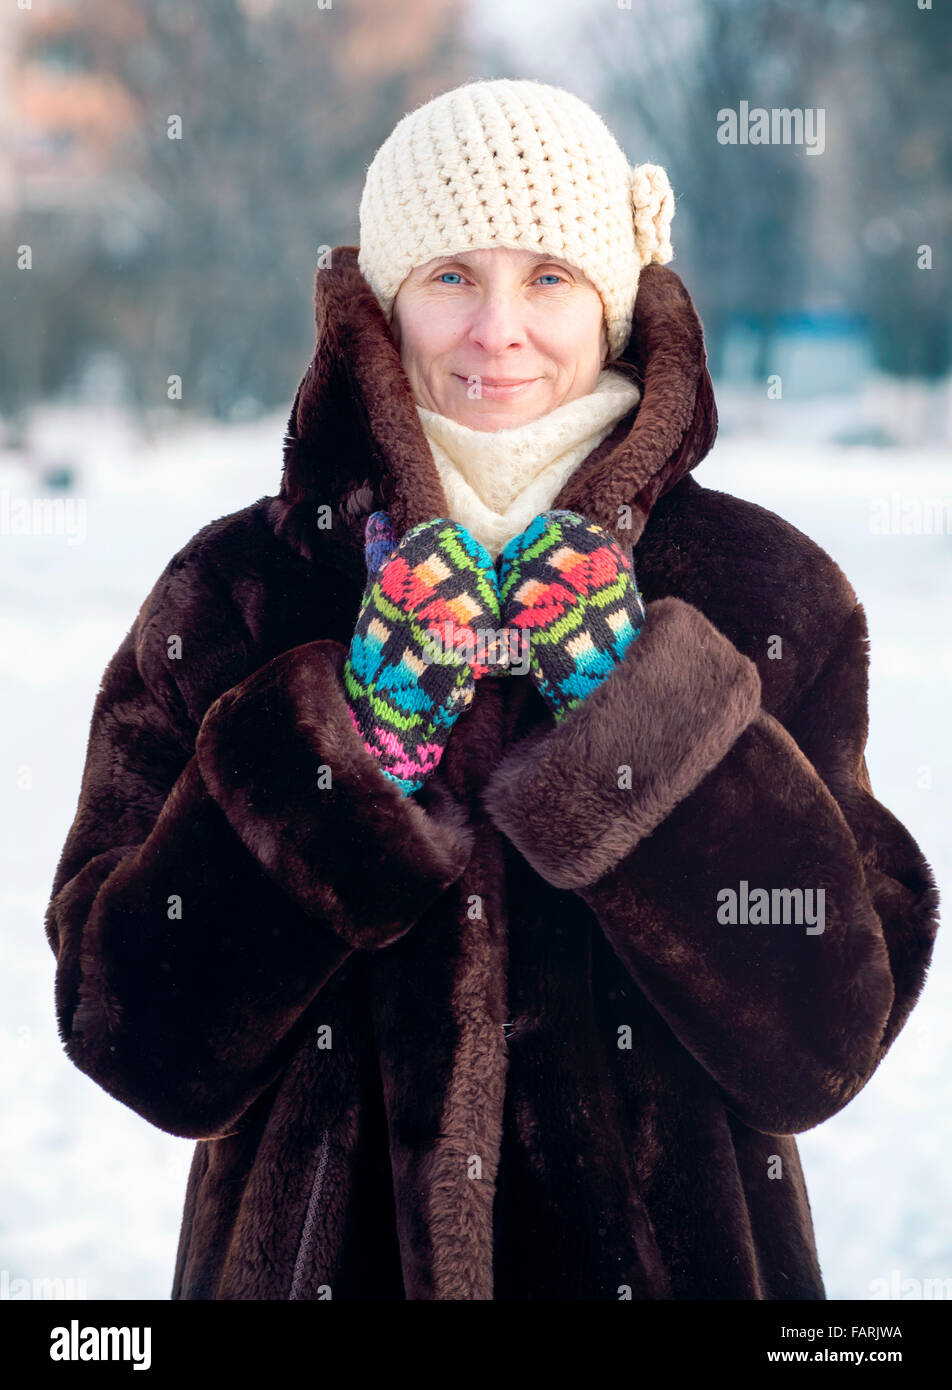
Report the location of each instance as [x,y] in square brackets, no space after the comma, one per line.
[497,324]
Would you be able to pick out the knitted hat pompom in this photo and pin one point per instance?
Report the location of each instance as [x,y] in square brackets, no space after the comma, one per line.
[653,204]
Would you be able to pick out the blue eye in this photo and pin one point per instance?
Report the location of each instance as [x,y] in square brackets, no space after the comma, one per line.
[548,274]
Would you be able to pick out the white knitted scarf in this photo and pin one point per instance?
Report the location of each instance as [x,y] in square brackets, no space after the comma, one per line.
[497,481]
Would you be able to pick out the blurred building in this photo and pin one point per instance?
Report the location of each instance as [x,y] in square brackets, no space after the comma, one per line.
[76,80]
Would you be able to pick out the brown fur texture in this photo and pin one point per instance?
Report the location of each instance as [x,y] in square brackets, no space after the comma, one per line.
[490,1042]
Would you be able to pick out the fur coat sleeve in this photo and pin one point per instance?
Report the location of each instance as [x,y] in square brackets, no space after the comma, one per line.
[671,784]
[215,877]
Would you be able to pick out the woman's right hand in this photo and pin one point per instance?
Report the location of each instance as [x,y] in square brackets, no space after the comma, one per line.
[430,606]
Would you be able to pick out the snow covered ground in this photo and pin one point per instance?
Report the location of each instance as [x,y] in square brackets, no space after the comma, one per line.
[93,1194]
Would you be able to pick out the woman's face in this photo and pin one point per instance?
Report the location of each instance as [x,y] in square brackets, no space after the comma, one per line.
[467,323]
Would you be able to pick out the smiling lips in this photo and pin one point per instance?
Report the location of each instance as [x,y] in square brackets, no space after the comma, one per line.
[500,388]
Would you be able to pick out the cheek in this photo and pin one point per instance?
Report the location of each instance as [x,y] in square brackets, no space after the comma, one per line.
[412,344]
[580,339]
[428,336]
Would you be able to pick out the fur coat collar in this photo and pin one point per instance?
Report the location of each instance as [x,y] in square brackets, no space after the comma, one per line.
[355,401]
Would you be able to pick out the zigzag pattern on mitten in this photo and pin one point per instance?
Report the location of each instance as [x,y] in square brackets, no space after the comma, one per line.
[405,691]
[571,586]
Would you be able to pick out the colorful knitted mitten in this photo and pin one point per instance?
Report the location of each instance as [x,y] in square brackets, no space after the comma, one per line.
[405,686]
[571,585]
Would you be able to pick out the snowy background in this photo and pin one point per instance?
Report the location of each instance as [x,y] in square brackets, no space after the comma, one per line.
[91,1192]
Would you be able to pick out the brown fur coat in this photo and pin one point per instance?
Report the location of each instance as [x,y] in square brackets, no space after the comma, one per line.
[491,1041]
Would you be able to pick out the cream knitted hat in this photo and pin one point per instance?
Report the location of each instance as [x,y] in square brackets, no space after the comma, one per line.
[514,163]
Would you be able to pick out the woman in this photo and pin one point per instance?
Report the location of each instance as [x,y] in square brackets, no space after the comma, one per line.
[479,975]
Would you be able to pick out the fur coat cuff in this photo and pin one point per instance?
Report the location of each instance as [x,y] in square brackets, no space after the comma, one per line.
[279,754]
[577,798]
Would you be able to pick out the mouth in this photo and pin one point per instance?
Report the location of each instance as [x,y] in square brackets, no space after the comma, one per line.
[499,388]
